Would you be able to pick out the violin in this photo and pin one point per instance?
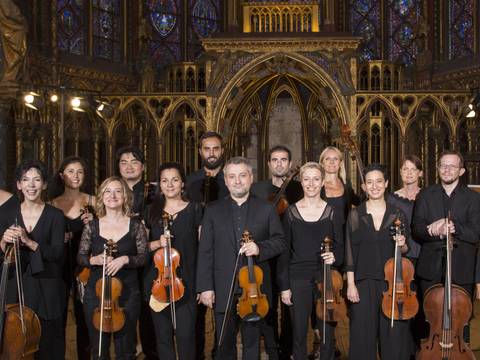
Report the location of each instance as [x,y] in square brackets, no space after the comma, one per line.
[20,328]
[83,274]
[448,309]
[109,317]
[279,200]
[252,305]
[168,287]
[331,304]
[399,301]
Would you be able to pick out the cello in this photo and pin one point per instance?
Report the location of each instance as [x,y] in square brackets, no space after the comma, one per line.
[252,304]
[168,287]
[448,309]
[109,317]
[331,304]
[20,328]
[399,301]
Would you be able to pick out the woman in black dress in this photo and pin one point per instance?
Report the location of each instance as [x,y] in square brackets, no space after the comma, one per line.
[404,198]
[336,190]
[306,225]
[68,197]
[368,246]
[114,201]
[40,228]
[184,225]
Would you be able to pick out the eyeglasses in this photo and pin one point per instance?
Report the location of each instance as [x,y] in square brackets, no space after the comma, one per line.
[448,167]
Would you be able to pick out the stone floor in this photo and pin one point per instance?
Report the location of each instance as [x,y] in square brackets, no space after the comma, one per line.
[342,335]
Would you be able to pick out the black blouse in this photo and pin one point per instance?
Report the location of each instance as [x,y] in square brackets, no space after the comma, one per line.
[342,204]
[366,249]
[184,229]
[406,206]
[8,212]
[304,243]
[133,244]
[43,285]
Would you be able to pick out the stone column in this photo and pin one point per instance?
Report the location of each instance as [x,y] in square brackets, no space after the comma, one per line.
[5,106]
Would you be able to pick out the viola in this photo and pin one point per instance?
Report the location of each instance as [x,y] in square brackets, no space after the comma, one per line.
[448,309]
[252,304]
[167,287]
[399,301]
[330,304]
[108,317]
[20,328]
[279,200]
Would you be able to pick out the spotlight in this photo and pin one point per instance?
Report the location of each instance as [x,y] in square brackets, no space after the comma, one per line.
[471,113]
[104,109]
[474,105]
[79,104]
[54,98]
[33,100]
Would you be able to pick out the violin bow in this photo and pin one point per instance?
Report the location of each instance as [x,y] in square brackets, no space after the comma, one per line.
[18,273]
[102,300]
[229,301]
[397,234]
[173,313]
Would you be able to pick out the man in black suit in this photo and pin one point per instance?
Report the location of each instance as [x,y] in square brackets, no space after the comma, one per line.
[203,186]
[430,227]
[222,228]
[279,163]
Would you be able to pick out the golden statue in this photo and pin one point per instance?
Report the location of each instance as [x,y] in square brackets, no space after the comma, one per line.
[13,33]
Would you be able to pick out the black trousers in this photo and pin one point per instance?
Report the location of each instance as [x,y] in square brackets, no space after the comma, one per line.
[269,330]
[286,336]
[368,326]
[250,332]
[52,340]
[185,311]
[83,342]
[304,294]
[147,332]
[125,339]
[200,331]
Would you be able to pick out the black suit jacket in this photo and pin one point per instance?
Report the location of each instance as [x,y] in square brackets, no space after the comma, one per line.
[431,206]
[218,246]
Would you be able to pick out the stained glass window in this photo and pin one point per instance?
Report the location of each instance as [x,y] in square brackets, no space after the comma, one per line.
[164,16]
[365,20]
[461,29]
[71,26]
[205,20]
[403,16]
[107,30]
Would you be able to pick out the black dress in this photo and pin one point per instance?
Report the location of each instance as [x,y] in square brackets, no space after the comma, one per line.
[301,266]
[75,226]
[133,244]
[44,288]
[366,252]
[184,229]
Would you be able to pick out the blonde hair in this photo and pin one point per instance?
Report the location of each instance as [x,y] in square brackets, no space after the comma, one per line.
[342,173]
[127,196]
[311,165]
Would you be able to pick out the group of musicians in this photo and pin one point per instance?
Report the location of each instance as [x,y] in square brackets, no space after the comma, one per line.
[63,231]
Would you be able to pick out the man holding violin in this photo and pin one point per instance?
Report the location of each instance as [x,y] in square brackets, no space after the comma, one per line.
[279,164]
[223,225]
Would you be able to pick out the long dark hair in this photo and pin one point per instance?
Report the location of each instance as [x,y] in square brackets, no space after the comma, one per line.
[57,185]
[155,210]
